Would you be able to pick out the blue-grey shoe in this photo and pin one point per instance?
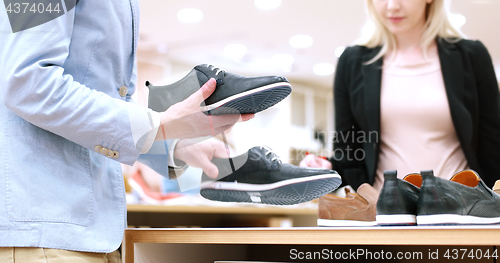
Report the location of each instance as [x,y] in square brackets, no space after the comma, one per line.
[233,94]
[464,199]
[258,176]
[397,202]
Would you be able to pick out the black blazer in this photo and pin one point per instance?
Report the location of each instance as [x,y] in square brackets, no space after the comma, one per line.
[473,96]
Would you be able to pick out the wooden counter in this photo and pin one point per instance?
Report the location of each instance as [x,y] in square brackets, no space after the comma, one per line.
[182,245]
[220,216]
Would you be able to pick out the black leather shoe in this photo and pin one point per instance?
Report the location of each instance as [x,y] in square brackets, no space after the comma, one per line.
[234,93]
[397,202]
[258,176]
[464,199]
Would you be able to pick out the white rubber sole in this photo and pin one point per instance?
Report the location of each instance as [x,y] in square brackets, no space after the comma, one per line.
[288,192]
[328,222]
[403,219]
[235,186]
[452,219]
[243,94]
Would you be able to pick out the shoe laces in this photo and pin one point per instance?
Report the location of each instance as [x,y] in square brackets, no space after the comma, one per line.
[273,154]
[216,69]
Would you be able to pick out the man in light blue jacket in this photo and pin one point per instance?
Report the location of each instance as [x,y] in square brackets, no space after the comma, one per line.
[67,123]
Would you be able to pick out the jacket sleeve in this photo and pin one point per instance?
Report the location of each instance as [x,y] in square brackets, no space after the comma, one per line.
[345,143]
[35,87]
[488,144]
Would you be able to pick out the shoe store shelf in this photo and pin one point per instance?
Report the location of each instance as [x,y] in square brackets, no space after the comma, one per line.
[177,245]
[222,209]
[142,215]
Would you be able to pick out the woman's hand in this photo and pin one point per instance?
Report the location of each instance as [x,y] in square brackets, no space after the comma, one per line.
[314,161]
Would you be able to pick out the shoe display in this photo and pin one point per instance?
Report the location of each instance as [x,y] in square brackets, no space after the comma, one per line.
[356,209]
[259,176]
[233,94]
[464,199]
[397,202]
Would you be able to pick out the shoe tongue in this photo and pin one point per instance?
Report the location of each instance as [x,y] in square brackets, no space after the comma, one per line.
[260,154]
[208,72]
[467,177]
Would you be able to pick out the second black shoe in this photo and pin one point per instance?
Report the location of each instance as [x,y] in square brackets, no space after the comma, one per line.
[233,94]
[258,176]
[464,199]
[397,202]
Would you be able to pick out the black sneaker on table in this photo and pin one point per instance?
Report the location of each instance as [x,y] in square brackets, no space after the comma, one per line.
[233,94]
[397,202]
[258,176]
[464,199]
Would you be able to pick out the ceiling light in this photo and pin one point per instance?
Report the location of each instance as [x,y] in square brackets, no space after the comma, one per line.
[301,41]
[235,51]
[324,69]
[267,4]
[457,20]
[283,61]
[190,15]
[339,51]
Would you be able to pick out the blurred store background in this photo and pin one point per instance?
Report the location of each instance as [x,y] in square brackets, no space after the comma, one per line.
[298,39]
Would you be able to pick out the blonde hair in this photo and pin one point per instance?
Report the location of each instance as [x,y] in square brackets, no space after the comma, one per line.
[437,24]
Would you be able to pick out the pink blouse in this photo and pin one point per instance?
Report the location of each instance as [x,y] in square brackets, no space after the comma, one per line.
[417,131]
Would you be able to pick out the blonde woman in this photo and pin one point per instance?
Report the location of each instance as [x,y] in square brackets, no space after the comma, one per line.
[416,95]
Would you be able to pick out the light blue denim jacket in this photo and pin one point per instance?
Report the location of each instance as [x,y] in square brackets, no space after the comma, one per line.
[59,91]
